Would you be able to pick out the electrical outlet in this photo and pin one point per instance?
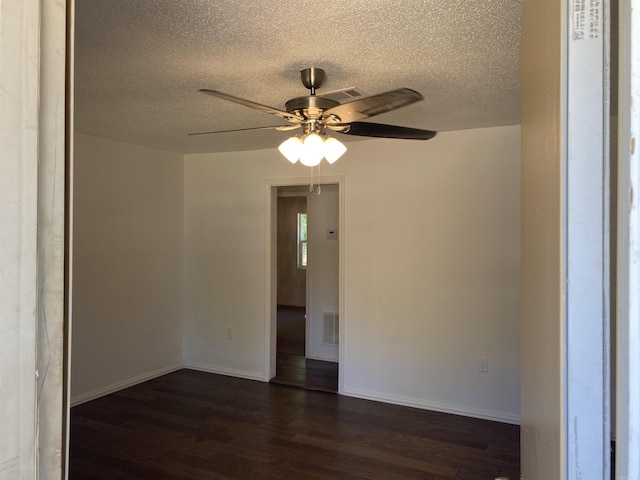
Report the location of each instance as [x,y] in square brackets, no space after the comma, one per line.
[483,364]
[229,333]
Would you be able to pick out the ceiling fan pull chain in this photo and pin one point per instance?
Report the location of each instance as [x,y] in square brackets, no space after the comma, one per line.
[319,188]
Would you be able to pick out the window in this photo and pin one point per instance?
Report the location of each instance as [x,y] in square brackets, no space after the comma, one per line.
[302,240]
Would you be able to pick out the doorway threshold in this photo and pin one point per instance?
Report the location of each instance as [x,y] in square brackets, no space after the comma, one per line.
[306,373]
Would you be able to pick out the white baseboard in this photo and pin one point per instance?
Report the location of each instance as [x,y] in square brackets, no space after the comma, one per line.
[349,392]
[114,387]
[323,358]
[437,407]
[230,372]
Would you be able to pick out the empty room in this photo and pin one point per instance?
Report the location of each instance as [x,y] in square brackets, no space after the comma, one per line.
[174,255]
[439,247]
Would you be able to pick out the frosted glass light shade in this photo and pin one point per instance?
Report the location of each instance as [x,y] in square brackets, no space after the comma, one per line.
[312,150]
[333,149]
[291,149]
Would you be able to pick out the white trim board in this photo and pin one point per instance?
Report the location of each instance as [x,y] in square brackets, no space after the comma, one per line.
[585,244]
[321,358]
[229,372]
[130,382]
[436,407]
[628,326]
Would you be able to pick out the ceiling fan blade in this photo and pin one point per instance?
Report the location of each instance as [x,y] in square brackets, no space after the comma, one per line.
[280,128]
[366,129]
[248,103]
[366,107]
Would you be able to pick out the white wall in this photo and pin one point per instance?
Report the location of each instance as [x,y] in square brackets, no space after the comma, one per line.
[432,246]
[128,260]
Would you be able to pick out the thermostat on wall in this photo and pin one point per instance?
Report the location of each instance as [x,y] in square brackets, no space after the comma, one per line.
[332,234]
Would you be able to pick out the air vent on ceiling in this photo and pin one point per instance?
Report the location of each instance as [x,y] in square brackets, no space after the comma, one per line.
[344,94]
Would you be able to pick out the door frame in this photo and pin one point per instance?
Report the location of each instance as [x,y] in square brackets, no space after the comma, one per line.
[270,308]
[586,238]
[628,279]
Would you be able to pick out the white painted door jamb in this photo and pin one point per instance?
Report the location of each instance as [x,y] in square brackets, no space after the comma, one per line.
[628,319]
[586,241]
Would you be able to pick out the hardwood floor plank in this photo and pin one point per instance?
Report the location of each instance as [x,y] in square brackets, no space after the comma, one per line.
[195,425]
[369,466]
[139,468]
[387,458]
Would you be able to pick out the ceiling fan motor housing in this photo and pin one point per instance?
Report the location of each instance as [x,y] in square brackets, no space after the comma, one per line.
[312,105]
[311,109]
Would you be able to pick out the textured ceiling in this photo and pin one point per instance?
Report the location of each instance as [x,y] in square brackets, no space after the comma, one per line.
[139,64]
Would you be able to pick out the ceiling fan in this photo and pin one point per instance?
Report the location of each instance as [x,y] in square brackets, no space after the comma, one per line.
[315,114]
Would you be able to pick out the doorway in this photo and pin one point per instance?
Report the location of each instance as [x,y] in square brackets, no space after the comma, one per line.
[305,300]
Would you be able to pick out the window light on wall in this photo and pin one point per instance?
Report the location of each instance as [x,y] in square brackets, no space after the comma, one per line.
[302,240]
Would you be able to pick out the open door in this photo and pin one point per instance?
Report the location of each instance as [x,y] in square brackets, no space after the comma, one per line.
[323,320]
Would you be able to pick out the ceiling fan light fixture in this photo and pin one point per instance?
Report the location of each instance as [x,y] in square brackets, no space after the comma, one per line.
[333,149]
[312,150]
[291,149]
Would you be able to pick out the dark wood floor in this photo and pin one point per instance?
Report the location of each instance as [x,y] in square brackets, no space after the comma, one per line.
[291,335]
[194,425]
[292,368]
